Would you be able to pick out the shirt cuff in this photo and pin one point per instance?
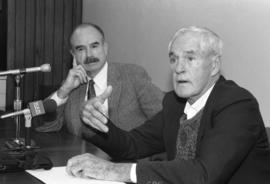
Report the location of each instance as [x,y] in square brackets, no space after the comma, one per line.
[133,175]
[59,101]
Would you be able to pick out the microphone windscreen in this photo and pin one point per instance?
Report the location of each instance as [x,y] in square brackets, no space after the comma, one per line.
[36,108]
[45,67]
[49,105]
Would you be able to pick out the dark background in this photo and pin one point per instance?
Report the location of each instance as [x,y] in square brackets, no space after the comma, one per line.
[34,32]
[3,41]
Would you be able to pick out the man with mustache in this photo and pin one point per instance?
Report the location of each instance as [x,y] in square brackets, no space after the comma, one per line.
[210,128]
[134,98]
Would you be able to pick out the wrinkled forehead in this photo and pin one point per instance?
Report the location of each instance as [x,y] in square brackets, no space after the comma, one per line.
[190,43]
[86,36]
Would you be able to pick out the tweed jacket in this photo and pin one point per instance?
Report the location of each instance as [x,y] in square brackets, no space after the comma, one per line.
[232,145]
[134,99]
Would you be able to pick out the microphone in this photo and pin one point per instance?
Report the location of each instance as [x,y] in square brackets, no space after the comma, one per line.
[36,108]
[43,68]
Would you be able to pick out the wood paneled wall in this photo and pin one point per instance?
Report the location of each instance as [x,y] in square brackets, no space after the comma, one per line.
[38,33]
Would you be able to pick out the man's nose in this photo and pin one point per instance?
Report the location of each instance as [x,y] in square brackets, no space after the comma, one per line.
[180,66]
[89,52]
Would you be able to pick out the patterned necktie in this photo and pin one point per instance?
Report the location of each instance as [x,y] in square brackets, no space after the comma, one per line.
[181,137]
[91,90]
[183,117]
[186,144]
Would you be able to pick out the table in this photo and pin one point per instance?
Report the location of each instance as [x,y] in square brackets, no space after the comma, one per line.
[58,146]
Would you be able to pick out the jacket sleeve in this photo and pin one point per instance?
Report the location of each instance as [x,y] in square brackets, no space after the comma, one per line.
[140,142]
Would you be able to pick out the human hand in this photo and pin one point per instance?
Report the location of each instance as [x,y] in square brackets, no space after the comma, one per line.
[90,166]
[76,76]
[93,112]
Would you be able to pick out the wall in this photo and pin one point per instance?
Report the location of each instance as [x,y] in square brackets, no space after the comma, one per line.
[139,32]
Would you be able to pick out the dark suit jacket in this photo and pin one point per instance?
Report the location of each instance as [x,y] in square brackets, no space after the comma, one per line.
[232,142]
[134,99]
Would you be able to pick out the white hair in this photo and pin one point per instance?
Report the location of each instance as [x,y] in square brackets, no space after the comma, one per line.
[210,41]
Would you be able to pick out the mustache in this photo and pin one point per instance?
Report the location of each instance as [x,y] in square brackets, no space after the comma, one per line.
[89,60]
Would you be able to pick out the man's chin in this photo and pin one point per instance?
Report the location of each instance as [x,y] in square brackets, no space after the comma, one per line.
[182,94]
[92,68]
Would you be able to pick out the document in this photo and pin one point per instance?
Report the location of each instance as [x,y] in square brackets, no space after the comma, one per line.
[58,175]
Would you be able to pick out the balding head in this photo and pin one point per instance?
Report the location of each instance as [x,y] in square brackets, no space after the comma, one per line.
[85,26]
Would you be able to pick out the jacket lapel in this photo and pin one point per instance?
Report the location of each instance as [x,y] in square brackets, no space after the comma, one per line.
[81,95]
[76,99]
[206,117]
[174,110]
[114,79]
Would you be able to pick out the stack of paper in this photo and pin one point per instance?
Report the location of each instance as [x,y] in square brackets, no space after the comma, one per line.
[58,175]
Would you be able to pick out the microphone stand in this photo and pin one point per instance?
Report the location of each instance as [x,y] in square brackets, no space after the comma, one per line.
[28,119]
[17,105]
[25,157]
[19,142]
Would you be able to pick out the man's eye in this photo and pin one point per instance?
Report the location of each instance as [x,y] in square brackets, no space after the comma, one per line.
[172,60]
[190,58]
[96,45]
[80,49]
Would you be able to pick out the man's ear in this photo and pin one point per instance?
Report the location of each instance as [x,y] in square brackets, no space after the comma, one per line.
[216,65]
[71,52]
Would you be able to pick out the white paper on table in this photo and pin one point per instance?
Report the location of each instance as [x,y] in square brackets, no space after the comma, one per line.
[58,175]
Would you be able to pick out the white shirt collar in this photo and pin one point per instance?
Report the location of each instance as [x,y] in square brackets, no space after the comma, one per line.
[192,110]
[101,78]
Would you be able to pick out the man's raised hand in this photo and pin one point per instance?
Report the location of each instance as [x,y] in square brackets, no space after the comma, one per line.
[93,112]
[76,76]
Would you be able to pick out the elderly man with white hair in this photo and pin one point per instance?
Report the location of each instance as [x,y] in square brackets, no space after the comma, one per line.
[210,128]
